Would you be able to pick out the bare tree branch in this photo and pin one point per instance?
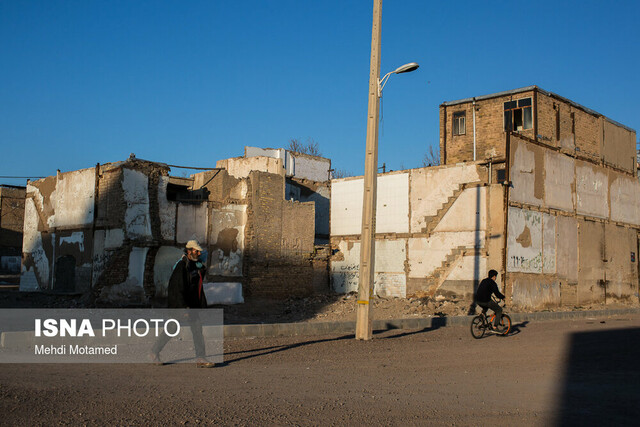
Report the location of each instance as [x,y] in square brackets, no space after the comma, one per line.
[431,158]
[311,147]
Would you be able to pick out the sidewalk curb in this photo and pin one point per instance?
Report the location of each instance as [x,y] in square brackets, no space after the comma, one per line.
[270,330]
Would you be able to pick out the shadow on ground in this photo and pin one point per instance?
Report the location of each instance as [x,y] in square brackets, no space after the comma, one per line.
[600,384]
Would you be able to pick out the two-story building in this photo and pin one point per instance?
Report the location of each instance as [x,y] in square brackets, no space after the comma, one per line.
[531,184]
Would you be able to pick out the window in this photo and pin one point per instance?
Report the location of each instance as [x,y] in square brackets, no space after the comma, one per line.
[518,115]
[459,123]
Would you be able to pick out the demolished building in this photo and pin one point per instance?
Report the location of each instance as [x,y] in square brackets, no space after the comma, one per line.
[11,224]
[533,185]
[114,231]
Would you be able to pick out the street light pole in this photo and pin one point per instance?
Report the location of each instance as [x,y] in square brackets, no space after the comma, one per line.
[367,238]
[368,234]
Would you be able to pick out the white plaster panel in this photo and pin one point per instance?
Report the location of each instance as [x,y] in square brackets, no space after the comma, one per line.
[73,198]
[468,212]
[345,272]
[166,259]
[311,168]
[28,280]
[548,244]
[393,204]
[241,167]
[625,198]
[522,173]
[39,256]
[592,187]
[432,187]
[192,223]
[76,238]
[346,207]
[228,261]
[428,254]
[225,293]
[137,261]
[167,211]
[389,266]
[276,153]
[390,285]
[392,207]
[469,268]
[524,241]
[136,195]
[30,234]
[559,181]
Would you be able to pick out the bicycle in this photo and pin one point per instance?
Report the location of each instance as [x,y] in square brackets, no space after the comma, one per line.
[480,324]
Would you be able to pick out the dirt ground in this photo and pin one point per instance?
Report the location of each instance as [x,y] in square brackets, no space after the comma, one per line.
[579,372]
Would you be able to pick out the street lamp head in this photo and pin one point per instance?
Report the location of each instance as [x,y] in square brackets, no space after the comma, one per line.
[406,68]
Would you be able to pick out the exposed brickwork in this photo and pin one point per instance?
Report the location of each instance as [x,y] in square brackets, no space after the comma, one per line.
[556,123]
[490,134]
[11,219]
[279,237]
[110,198]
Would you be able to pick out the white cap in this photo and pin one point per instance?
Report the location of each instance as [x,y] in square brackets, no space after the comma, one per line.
[193,244]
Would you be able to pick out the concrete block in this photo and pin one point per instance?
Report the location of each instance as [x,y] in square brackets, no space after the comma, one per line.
[223,293]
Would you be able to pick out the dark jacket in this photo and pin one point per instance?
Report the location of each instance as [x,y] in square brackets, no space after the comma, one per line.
[185,285]
[485,289]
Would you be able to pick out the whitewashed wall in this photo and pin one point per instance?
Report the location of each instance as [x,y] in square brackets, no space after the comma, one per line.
[392,206]
[531,242]
[73,198]
[227,261]
[390,278]
[559,181]
[432,187]
[135,186]
[592,186]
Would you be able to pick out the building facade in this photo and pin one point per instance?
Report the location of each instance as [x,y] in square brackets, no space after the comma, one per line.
[533,185]
[113,232]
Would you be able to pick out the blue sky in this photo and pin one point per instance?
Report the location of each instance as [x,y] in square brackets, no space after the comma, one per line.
[191,82]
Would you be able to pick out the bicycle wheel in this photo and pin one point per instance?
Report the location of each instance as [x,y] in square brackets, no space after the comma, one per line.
[505,325]
[477,327]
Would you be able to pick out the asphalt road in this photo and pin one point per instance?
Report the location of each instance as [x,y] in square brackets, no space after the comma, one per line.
[571,372]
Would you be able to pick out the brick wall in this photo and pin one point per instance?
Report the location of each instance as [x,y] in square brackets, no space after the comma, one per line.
[11,218]
[490,134]
[556,123]
[279,238]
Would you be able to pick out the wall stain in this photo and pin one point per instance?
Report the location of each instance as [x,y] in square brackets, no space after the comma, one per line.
[227,241]
[525,237]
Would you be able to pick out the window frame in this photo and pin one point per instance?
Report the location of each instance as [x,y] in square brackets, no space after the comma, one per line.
[457,115]
[524,108]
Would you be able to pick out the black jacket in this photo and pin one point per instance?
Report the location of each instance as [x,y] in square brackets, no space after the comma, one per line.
[485,289]
[185,285]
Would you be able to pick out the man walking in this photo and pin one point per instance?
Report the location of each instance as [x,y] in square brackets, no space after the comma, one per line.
[186,291]
[483,294]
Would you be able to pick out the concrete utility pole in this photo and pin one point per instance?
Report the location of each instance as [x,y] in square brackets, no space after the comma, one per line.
[367,239]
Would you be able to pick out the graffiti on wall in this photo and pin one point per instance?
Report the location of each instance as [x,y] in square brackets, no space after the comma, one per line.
[531,244]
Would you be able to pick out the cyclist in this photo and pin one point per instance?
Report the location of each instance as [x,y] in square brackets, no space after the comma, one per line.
[486,288]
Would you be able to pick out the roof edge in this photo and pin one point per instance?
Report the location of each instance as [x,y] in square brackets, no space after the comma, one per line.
[530,88]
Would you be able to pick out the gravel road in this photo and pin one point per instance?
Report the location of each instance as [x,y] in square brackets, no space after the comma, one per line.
[575,372]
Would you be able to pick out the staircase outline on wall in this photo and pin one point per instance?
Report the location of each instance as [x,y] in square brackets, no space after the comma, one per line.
[433,221]
[441,274]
